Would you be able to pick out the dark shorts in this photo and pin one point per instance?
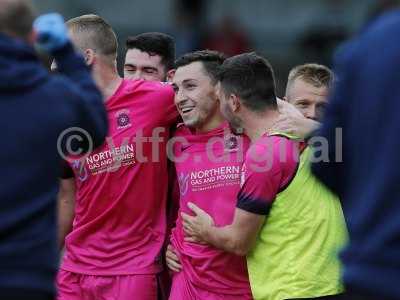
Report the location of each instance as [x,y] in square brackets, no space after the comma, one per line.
[24,294]
[334,297]
[348,296]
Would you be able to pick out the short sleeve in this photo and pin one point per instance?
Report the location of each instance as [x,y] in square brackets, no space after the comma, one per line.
[268,168]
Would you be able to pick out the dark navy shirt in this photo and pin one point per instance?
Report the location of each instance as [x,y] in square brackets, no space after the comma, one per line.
[35,108]
[366,106]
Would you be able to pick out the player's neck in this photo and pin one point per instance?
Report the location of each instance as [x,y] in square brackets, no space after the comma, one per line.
[257,124]
[213,123]
[107,79]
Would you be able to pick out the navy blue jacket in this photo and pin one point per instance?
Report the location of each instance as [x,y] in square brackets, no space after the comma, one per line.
[35,107]
[366,105]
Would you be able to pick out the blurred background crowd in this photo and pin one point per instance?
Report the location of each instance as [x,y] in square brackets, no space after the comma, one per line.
[287,32]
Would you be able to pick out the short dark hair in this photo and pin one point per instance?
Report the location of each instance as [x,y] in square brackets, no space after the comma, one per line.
[251,78]
[211,60]
[155,43]
[95,33]
[16,18]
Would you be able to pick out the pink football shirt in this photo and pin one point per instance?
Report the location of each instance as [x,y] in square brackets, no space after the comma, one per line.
[271,163]
[120,212]
[208,169]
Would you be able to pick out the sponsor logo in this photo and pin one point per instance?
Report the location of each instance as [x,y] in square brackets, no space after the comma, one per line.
[111,159]
[214,178]
[183,183]
[81,170]
[243,175]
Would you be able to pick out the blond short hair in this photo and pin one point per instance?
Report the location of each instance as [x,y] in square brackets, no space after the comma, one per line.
[314,74]
[93,32]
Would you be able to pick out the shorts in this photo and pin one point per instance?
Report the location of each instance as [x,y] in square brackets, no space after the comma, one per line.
[73,286]
[182,289]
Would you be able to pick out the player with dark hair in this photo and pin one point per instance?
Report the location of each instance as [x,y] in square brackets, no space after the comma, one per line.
[288,224]
[150,56]
[208,163]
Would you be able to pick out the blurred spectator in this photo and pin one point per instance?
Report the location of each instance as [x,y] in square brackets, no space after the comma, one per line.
[380,7]
[228,37]
[327,29]
[190,17]
[363,163]
[39,112]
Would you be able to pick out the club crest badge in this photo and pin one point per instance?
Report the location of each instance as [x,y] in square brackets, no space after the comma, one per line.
[231,142]
[123,119]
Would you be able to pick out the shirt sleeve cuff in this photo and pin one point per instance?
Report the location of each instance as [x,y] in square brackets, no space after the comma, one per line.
[255,206]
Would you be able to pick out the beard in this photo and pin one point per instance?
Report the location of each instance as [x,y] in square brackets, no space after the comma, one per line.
[235,123]
[236,126]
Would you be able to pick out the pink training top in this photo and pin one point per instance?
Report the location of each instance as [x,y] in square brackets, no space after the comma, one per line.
[120,212]
[210,179]
[270,165]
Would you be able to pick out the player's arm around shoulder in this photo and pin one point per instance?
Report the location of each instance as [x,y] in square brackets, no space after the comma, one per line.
[163,102]
[292,122]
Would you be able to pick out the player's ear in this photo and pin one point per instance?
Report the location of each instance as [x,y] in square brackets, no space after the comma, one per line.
[219,93]
[170,75]
[89,57]
[216,92]
[234,102]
